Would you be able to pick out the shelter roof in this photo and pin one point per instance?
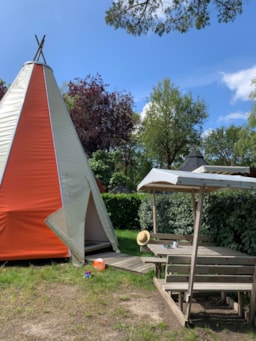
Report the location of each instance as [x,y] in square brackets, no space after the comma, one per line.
[180,181]
[234,170]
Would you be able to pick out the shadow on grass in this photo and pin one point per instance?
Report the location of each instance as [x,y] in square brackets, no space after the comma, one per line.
[35,262]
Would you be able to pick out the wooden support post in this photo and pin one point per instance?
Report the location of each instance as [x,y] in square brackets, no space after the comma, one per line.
[154,212]
[253,299]
[194,253]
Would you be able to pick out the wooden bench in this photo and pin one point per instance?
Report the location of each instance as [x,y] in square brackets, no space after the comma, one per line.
[157,261]
[182,239]
[212,274]
[169,238]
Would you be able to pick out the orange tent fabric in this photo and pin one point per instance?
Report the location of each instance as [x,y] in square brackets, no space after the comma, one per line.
[50,204]
[30,189]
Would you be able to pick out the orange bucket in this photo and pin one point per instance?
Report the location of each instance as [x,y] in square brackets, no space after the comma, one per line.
[99,264]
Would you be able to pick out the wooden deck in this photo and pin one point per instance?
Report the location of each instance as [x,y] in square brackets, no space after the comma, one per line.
[122,261]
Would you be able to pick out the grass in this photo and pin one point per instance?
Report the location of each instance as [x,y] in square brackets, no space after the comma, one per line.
[53,301]
[127,242]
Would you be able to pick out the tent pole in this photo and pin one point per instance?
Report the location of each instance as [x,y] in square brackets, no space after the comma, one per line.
[154,211]
[197,222]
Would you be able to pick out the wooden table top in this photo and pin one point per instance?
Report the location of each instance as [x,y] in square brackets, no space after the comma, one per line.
[162,250]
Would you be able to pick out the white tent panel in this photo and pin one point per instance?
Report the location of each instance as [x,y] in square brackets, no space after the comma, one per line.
[10,109]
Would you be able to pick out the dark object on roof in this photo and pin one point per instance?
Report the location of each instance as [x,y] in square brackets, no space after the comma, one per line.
[194,160]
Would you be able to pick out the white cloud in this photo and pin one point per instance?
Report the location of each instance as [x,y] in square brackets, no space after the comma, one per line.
[207,132]
[240,83]
[200,78]
[234,116]
[144,110]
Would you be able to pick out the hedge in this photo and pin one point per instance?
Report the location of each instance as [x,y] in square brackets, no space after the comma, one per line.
[228,216]
[123,210]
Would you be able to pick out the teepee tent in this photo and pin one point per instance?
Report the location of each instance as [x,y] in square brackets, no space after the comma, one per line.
[50,204]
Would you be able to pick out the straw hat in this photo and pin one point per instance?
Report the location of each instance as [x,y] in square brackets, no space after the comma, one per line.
[143,237]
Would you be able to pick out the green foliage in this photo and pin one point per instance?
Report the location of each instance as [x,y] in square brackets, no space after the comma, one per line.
[140,17]
[127,242]
[220,146]
[123,209]
[103,165]
[173,213]
[246,145]
[228,216]
[172,124]
[3,88]
[119,168]
[119,179]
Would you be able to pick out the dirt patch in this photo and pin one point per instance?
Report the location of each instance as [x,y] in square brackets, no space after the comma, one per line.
[68,312]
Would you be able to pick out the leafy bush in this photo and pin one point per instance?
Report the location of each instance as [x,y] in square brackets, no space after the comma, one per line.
[162,216]
[228,216]
[173,213]
[120,179]
[123,210]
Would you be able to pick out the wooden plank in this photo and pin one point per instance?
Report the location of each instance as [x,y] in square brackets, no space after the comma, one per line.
[122,261]
[212,269]
[215,270]
[210,278]
[161,250]
[253,299]
[212,260]
[154,260]
[188,237]
[170,236]
[168,299]
[157,261]
[207,287]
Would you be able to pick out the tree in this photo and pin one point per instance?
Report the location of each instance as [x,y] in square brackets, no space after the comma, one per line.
[220,146]
[3,88]
[103,165]
[172,124]
[102,119]
[137,17]
[123,167]
[246,145]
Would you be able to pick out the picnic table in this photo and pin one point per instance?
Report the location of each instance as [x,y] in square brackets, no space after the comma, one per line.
[217,269]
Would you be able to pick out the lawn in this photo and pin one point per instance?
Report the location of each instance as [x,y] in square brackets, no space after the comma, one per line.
[54,301]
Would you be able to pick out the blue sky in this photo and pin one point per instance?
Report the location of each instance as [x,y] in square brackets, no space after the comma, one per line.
[215,64]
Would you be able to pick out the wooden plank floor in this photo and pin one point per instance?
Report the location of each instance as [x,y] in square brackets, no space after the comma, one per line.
[122,261]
